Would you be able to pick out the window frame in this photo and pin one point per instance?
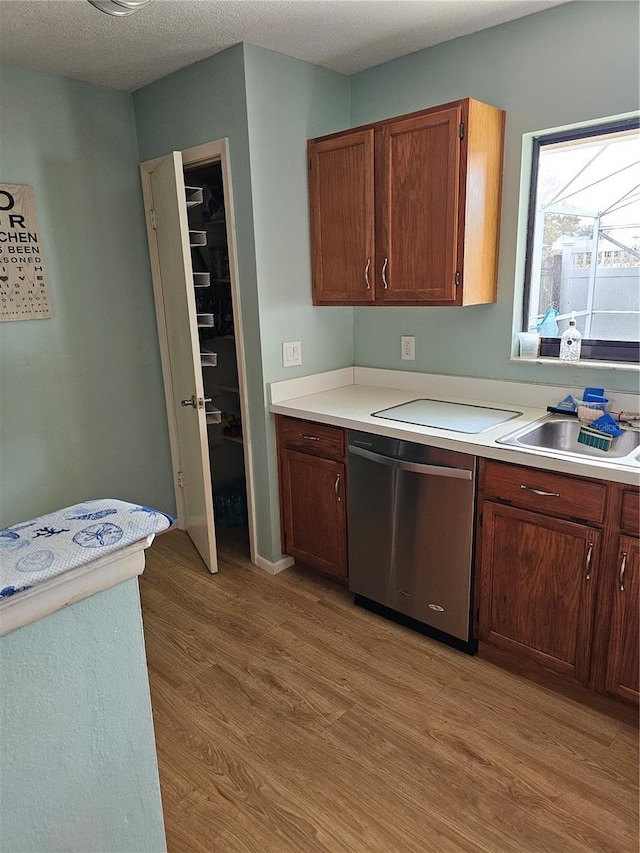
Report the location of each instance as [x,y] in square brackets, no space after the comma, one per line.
[599,349]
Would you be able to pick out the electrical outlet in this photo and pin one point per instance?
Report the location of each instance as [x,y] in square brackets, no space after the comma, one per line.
[408,348]
[291,353]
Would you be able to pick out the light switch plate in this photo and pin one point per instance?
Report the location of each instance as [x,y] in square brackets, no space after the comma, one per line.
[291,353]
[408,347]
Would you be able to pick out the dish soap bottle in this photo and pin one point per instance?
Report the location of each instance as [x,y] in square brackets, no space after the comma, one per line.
[570,341]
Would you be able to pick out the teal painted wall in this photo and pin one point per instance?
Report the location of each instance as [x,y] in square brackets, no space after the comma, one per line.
[571,63]
[266,104]
[288,102]
[78,762]
[83,412]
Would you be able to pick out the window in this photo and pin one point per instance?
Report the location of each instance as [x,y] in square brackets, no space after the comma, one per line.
[583,239]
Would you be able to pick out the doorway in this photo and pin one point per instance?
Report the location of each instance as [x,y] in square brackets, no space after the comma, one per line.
[214,499]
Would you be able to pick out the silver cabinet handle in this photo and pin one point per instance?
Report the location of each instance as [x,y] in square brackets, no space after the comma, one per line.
[336,486]
[366,273]
[413,467]
[539,492]
[623,568]
[588,562]
[384,273]
[308,437]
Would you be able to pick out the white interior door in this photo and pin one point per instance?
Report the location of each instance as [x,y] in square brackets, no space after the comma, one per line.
[182,354]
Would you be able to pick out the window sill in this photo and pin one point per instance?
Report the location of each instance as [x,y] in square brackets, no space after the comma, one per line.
[592,365]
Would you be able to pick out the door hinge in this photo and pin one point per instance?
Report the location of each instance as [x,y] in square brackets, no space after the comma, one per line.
[461,130]
[457,278]
[310,164]
[152,219]
[181,479]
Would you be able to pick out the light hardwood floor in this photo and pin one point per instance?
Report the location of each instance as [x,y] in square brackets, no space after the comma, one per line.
[287,720]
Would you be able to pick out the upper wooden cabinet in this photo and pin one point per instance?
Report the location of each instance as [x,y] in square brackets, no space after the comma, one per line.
[407,211]
[341,195]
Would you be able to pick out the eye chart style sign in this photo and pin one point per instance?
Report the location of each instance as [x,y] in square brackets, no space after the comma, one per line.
[24,289]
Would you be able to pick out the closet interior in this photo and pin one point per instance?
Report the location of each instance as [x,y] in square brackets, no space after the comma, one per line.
[217,334]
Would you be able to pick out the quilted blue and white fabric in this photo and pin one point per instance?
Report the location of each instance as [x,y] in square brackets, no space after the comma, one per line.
[37,550]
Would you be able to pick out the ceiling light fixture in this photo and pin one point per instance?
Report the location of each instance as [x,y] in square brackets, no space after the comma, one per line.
[118,8]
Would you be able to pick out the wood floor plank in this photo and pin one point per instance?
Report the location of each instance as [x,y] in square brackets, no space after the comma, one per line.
[222,792]
[350,806]
[287,720]
[553,730]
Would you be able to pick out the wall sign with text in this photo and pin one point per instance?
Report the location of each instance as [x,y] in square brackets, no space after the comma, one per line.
[24,289]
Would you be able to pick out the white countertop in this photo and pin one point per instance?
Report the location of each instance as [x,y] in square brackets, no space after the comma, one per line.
[347,397]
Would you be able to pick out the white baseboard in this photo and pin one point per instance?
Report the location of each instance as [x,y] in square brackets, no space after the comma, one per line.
[273,568]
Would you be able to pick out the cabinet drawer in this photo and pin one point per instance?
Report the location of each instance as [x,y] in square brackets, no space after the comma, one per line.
[309,437]
[630,516]
[555,494]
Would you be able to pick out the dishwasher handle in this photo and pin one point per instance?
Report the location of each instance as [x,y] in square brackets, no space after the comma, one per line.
[414,467]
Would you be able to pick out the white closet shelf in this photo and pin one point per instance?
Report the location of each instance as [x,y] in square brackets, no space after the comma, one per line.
[204,320]
[193,196]
[202,279]
[229,389]
[197,238]
[208,359]
[214,416]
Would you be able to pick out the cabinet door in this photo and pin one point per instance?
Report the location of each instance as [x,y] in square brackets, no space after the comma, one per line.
[313,511]
[536,593]
[418,189]
[342,219]
[623,659]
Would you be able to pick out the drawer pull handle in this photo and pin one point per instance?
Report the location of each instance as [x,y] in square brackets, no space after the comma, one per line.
[540,492]
[384,273]
[588,562]
[336,486]
[623,568]
[366,273]
[308,437]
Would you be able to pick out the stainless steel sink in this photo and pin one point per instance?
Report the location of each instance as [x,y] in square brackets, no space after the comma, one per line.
[560,435]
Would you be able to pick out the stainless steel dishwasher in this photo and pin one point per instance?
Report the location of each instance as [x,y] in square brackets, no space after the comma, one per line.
[411,514]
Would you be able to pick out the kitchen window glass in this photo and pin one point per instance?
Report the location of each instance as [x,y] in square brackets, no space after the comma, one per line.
[583,240]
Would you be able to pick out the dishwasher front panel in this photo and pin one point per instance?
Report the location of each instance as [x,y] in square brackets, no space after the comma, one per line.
[371,508]
[430,571]
[411,512]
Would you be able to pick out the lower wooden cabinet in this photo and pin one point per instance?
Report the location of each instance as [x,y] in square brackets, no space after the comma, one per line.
[623,663]
[623,657]
[558,578]
[538,580]
[313,495]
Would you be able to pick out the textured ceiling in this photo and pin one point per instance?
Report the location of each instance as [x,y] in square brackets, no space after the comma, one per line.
[74,39]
